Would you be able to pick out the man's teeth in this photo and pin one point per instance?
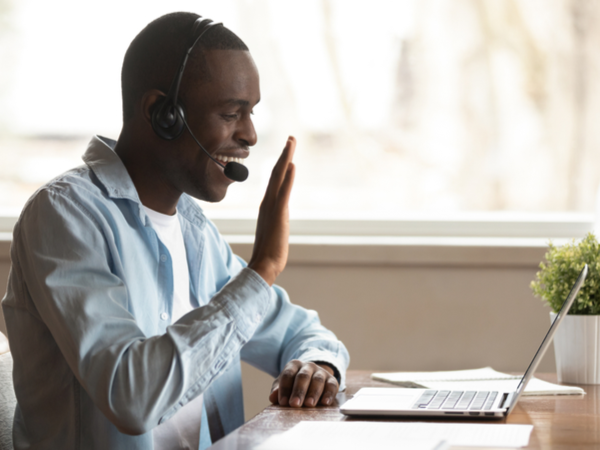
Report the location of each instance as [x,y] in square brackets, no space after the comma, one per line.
[227,159]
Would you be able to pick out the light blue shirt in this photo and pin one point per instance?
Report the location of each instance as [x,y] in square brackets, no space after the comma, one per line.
[88,305]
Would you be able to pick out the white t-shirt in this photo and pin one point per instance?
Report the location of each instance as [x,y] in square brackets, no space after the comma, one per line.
[168,229]
[182,431]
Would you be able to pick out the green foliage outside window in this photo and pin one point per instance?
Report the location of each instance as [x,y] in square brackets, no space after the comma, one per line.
[561,269]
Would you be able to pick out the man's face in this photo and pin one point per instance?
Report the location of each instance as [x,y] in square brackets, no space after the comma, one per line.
[219,114]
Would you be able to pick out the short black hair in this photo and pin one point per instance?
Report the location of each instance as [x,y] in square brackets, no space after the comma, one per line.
[155,54]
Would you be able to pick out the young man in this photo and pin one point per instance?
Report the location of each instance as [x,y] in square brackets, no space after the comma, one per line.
[127,312]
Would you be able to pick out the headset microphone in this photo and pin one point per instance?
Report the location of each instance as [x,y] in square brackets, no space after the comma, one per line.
[234,171]
[168,116]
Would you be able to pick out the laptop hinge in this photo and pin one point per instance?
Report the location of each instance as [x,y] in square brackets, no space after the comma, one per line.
[506,400]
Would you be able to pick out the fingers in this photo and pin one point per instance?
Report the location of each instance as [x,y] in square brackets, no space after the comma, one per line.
[274,395]
[315,389]
[270,252]
[304,384]
[281,169]
[285,191]
[330,391]
[284,160]
[301,384]
[286,381]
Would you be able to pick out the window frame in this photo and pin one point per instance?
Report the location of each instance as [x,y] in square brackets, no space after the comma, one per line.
[455,225]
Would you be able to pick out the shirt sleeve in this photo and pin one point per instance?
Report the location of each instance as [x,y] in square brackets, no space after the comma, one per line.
[288,331]
[64,257]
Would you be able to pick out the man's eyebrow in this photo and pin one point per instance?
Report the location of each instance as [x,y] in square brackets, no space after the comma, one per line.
[238,102]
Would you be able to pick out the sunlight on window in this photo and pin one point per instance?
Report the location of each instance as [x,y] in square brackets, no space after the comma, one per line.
[398,106]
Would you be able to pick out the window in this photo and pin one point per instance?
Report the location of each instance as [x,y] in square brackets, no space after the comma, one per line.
[399,107]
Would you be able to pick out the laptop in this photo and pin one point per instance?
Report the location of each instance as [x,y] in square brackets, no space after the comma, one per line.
[445,403]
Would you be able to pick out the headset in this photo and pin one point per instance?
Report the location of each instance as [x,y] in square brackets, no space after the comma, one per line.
[168,116]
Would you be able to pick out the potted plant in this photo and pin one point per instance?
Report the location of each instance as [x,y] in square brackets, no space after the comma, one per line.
[577,341]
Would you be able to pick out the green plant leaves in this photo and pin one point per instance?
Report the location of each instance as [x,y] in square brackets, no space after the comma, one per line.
[558,274]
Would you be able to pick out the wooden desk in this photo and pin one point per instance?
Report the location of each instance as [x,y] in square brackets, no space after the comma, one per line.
[560,422]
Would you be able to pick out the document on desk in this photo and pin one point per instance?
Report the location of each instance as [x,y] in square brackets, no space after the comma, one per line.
[393,435]
[485,379]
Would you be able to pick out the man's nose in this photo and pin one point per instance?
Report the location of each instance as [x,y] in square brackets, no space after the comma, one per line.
[247,133]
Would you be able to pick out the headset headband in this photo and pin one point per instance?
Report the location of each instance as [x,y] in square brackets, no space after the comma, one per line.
[166,118]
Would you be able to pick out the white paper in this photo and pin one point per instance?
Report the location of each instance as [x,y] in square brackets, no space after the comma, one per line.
[349,435]
[484,379]
[534,387]
[394,435]
[485,373]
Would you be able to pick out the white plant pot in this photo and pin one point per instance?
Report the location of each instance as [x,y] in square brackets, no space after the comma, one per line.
[577,349]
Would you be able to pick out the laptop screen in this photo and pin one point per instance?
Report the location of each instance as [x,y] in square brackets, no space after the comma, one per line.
[549,335]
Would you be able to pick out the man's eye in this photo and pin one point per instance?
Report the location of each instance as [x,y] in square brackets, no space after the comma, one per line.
[230,116]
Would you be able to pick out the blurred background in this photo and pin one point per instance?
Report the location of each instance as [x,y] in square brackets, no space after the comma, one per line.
[399,107]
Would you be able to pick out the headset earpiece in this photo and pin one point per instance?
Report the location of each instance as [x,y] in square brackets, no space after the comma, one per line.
[167,119]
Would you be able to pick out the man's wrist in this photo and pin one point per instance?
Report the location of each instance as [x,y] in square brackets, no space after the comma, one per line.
[264,273]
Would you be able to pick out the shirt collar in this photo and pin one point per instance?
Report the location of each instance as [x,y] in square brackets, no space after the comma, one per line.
[112,174]
[110,170]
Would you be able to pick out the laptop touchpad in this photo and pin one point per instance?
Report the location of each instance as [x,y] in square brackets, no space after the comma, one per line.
[384,399]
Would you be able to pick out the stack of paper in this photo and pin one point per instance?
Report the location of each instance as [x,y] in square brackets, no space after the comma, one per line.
[349,435]
[485,379]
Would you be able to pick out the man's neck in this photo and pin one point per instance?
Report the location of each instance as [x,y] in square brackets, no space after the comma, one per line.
[153,190]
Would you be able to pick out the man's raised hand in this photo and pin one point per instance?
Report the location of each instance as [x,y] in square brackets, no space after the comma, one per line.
[270,252]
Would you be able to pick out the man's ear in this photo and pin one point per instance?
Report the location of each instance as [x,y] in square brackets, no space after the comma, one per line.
[149,102]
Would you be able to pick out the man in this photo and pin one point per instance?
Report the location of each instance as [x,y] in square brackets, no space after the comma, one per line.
[127,312]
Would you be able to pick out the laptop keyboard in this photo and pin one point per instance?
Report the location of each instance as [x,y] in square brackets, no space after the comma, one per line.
[457,400]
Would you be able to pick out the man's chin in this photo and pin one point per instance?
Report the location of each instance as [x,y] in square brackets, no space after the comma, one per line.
[210,197]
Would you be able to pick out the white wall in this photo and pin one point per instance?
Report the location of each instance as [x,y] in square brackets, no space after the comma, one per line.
[412,307]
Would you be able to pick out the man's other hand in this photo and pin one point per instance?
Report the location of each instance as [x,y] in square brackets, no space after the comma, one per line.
[270,252]
[304,384]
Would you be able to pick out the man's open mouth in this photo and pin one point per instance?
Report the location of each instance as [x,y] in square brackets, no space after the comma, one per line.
[226,159]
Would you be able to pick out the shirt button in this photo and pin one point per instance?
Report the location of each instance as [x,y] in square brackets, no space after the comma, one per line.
[164,316]
[163,258]
[257,318]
